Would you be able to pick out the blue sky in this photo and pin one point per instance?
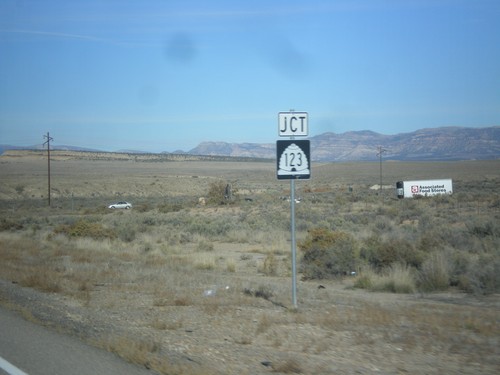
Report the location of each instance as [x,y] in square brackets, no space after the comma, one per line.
[166,75]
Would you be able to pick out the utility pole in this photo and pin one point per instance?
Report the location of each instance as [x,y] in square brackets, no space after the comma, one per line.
[49,138]
[379,154]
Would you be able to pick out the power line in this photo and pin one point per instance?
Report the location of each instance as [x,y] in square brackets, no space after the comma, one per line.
[47,142]
[379,154]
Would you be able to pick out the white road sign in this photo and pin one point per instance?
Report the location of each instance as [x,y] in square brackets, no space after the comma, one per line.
[293,124]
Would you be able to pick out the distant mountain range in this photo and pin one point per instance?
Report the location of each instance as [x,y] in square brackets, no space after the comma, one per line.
[445,143]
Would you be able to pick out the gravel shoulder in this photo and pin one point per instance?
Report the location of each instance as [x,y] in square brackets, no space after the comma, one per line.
[335,330]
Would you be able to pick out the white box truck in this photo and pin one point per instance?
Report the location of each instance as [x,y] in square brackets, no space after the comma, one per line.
[423,188]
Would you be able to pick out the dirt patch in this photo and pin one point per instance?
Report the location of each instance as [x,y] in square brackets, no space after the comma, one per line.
[207,289]
[334,330]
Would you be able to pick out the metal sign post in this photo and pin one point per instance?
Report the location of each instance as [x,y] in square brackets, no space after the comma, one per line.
[294,246]
[293,162]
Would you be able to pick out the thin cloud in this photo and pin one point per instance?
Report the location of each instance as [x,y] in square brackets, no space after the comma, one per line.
[70,36]
[55,34]
[134,120]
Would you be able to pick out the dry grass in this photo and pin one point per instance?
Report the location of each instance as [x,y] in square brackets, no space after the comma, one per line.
[290,366]
[231,265]
[149,284]
[397,279]
[205,262]
[148,354]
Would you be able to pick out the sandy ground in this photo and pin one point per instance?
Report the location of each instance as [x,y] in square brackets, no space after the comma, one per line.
[243,322]
[335,330]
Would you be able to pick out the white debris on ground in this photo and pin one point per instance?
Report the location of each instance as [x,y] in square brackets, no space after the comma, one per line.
[377,187]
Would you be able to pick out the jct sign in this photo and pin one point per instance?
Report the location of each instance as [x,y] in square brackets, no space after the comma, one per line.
[293,124]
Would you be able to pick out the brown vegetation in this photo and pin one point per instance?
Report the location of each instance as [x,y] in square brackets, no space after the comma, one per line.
[185,288]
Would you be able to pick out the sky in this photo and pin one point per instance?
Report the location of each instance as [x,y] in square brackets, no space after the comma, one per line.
[166,75]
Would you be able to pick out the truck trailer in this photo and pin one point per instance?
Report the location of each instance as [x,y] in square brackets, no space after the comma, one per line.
[423,188]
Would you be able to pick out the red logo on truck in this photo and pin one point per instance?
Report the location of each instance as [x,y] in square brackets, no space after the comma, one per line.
[414,189]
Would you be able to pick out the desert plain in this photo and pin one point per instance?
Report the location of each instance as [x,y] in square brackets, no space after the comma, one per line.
[187,282]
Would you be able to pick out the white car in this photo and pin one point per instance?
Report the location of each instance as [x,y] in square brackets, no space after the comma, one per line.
[124,205]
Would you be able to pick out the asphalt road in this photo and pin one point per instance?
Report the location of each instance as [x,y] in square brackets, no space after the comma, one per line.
[37,350]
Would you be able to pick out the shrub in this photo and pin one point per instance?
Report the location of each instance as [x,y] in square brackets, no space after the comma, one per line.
[381,253]
[6,224]
[327,254]
[483,228]
[84,228]
[220,192]
[364,281]
[217,227]
[165,208]
[204,246]
[205,262]
[263,291]
[126,233]
[483,274]
[231,265]
[458,262]
[397,278]
[143,207]
[434,273]
[46,281]
[270,266]
[434,238]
